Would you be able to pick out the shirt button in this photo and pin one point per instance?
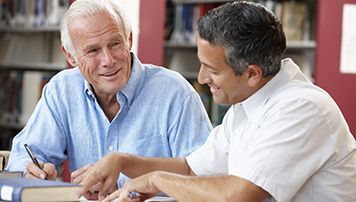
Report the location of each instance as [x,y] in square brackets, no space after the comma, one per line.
[111,148]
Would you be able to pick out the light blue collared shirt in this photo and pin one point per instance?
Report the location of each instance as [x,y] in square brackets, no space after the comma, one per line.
[160,115]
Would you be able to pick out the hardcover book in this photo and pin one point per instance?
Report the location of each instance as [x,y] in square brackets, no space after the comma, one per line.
[8,174]
[28,189]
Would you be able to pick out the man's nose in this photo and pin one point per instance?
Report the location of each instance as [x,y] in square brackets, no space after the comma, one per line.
[202,76]
[107,57]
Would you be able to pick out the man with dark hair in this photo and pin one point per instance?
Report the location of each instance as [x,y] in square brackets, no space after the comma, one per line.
[283,138]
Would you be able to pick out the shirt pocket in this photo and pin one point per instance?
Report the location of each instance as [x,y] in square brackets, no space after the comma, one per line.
[151,145]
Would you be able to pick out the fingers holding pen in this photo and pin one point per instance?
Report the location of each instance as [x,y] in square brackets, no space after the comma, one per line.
[48,171]
[33,171]
[37,169]
[122,195]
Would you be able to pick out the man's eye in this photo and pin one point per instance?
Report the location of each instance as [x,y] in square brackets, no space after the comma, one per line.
[214,72]
[93,50]
[115,45]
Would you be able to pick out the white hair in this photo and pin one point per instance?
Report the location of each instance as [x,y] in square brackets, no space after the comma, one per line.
[80,8]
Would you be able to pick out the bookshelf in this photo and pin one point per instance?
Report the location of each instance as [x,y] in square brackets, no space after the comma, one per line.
[180,39]
[29,56]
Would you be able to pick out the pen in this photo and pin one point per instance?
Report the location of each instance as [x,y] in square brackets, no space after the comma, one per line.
[133,195]
[34,160]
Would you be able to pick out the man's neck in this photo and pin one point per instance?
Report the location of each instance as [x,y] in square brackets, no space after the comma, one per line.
[109,104]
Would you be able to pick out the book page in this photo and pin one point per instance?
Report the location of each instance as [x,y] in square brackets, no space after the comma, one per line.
[154,199]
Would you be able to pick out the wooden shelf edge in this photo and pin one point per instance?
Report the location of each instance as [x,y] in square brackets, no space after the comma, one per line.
[30,29]
[34,67]
[15,125]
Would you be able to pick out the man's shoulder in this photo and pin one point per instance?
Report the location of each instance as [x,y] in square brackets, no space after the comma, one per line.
[166,78]
[300,97]
[296,90]
[68,76]
[65,80]
[162,71]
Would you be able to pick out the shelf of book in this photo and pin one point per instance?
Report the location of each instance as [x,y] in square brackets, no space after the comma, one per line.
[303,45]
[30,55]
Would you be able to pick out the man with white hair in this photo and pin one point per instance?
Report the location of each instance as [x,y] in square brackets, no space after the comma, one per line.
[109,102]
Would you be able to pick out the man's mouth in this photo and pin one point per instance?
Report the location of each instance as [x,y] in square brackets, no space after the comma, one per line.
[109,74]
[213,89]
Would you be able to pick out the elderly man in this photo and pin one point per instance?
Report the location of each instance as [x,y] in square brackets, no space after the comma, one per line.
[109,102]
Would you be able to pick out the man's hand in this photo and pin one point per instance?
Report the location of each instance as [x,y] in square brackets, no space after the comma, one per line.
[48,171]
[142,187]
[77,177]
[106,172]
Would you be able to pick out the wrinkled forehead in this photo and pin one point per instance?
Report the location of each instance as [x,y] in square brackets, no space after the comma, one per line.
[100,20]
[86,18]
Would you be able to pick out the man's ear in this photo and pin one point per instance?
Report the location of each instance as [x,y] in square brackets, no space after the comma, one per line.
[254,75]
[70,58]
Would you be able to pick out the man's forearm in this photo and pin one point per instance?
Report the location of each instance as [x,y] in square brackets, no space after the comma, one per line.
[213,188]
[134,166]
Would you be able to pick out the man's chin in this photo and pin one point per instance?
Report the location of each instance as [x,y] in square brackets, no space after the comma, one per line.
[218,100]
[221,101]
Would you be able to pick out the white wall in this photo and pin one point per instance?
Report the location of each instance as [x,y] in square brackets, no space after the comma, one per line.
[132,10]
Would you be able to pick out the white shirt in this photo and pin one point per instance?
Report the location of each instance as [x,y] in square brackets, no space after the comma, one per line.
[289,138]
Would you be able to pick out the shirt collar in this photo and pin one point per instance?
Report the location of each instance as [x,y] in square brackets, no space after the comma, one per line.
[253,104]
[131,87]
[88,89]
[134,84]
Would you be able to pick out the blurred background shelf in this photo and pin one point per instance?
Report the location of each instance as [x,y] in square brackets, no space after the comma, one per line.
[30,55]
[29,29]
[44,67]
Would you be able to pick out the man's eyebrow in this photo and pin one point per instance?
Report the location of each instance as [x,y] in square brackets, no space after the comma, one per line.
[89,47]
[205,64]
[208,66]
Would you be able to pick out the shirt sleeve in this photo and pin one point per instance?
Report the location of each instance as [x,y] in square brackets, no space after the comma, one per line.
[190,125]
[212,157]
[43,133]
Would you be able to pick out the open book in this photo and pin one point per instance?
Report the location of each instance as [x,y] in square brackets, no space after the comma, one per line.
[161,198]
[154,199]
